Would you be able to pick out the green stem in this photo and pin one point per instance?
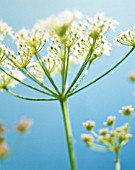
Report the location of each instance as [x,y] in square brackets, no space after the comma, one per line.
[103,75]
[82,78]
[87,59]
[67,66]
[25,84]
[32,99]
[99,148]
[29,75]
[66,119]
[46,72]
[117,161]
[32,77]
[63,69]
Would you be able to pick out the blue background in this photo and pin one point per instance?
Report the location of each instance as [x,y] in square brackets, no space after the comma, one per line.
[44,147]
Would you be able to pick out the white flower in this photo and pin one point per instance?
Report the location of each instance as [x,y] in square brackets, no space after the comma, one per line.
[4,52]
[30,41]
[126,38]
[4,30]
[6,81]
[37,71]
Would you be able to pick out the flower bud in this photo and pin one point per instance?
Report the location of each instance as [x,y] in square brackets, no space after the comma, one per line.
[110,121]
[126,110]
[103,132]
[88,139]
[89,125]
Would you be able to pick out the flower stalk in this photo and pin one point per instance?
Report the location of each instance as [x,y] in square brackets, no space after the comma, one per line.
[68,132]
[117,161]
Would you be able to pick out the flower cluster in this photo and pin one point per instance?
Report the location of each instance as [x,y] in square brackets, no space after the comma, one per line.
[30,41]
[69,38]
[109,138]
[126,38]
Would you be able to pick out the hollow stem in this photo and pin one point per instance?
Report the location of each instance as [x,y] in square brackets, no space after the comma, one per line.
[68,131]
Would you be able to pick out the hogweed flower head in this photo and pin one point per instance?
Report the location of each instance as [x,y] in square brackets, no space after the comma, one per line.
[69,38]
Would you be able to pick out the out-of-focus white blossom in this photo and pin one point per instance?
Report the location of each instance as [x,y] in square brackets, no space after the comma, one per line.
[79,34]
[4,30]
[59,26]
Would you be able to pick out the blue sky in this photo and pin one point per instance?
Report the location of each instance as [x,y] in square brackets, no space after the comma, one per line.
[44,146]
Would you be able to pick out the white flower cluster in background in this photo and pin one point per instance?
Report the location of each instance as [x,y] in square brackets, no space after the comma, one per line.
[7,81]
[4,30]
[111,137]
